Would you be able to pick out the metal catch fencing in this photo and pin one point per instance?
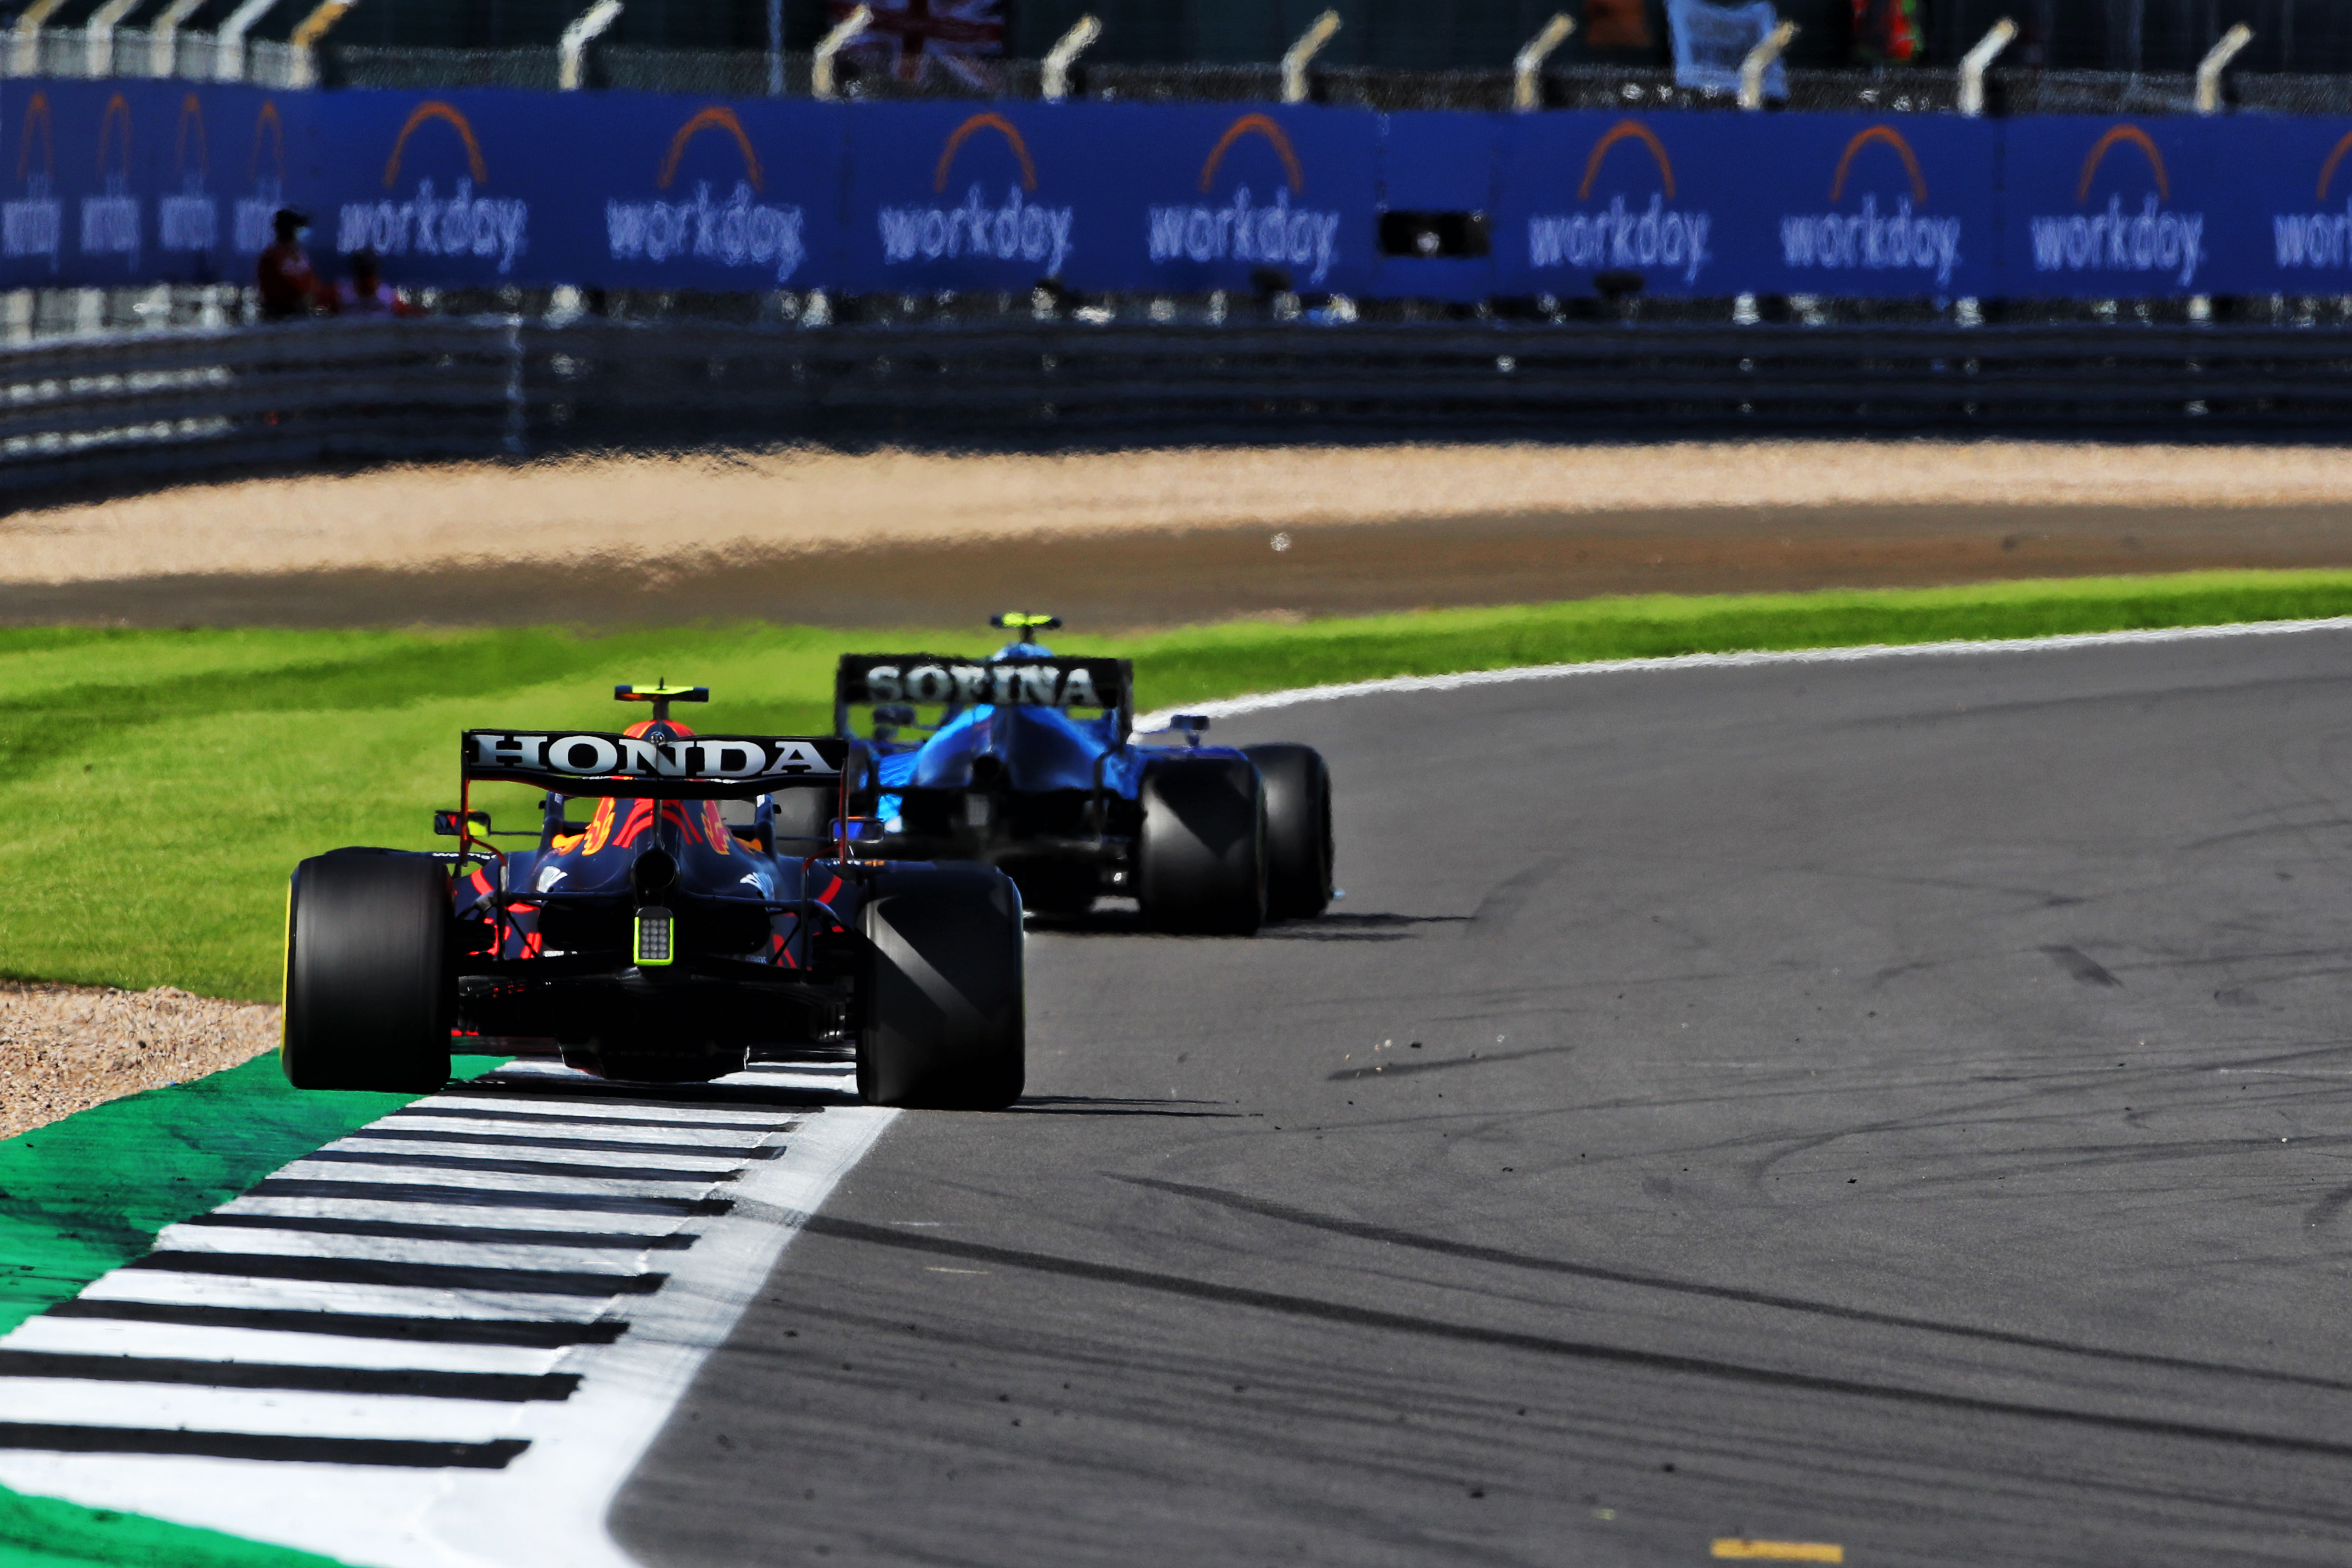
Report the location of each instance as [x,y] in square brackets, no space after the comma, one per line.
[164,405]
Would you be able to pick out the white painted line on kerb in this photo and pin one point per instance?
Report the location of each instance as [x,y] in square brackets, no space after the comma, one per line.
[1228,706]
[547,1506]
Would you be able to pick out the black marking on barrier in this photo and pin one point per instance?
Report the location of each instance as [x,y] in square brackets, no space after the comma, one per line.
[389,1452]
[505,1387]
[477,1197]
[518,1167]
[483,1236]
[529,1332]
[584,1145]
[393,1271]
[443,1106]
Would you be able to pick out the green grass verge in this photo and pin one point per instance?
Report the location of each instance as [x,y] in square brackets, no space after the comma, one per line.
[43,1533]
[159,785]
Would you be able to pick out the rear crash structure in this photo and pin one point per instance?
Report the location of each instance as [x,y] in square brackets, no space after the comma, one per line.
[675,932]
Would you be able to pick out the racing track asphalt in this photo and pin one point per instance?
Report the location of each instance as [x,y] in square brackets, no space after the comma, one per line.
[1901,1105]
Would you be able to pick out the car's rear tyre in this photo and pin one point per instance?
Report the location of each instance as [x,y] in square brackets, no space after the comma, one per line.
[1200,860]
[1298,829]
[943,1018]
[368,997]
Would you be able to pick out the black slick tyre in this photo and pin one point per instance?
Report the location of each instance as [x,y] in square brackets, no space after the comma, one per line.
[943,1020]
[1298,829]
[368,996]
[1200,860]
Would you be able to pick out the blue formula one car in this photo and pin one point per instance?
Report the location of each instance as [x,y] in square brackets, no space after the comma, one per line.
[1028,761]
[666,936]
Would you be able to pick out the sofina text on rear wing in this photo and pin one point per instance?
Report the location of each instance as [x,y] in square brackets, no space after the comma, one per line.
[694,767]
[945,680]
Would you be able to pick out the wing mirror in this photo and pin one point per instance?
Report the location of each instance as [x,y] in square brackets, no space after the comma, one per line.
[444,823]
[1192,725]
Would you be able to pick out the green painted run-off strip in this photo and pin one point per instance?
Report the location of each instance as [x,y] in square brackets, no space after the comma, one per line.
[88,1195]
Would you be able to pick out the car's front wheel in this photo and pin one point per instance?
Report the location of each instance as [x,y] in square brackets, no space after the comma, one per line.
[368,997]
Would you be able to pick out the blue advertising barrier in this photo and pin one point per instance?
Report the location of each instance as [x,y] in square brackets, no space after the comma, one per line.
[111,184]
[1102,196]
[143,182]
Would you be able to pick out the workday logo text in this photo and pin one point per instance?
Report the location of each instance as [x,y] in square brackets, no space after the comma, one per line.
[1621,236]
[1906,240]
[2317,240]
[110,222]
[741,231]
[1021,228]
[428,224]
[1254,233]
[2153,239]
[33,224]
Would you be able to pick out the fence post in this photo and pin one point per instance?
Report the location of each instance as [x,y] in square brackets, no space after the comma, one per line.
[228,44]
[2210,68]
[24,50]
[1974,64]
[832,44]
[306,37]
[1059,59]
[1760,60]
[98,37]
[1527,91]
[517,410]
[584,30]
[1310,43]
[163,38]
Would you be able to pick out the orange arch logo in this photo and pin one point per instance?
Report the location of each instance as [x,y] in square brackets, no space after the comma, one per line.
[717,116]
[434,109]
[2115,138]
[964,133]
[1892,138]
[36,115]
[117,107]
[192,113]
[267,121]
[1623,130]
[1255,125]
[2328,170]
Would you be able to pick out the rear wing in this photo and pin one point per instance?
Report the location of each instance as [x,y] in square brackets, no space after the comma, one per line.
[694,767]
[955,683]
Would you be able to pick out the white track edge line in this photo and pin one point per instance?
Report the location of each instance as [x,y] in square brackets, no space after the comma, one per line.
[1229,707]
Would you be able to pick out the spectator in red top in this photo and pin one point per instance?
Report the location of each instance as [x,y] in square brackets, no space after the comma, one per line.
[365,293]
[288,288]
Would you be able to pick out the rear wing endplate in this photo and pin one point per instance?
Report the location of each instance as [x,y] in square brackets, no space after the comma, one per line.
[694,767]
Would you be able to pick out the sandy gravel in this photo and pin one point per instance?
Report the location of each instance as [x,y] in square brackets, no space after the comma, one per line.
[65,1048]
[656,507]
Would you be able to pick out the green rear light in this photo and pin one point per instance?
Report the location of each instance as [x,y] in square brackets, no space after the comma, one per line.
[655,932]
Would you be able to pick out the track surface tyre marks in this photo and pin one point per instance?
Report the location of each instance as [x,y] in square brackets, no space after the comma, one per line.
[944,1023]
[1201,860]
[1810,1194]
[1299,850]
[367,993]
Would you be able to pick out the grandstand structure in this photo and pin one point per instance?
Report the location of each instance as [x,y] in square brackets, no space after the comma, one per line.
[731,45]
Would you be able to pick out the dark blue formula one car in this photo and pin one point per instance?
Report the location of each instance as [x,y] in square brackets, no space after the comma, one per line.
[665,936]
[1027,762]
